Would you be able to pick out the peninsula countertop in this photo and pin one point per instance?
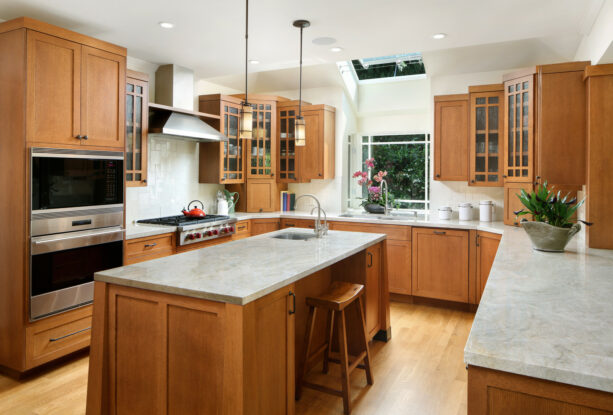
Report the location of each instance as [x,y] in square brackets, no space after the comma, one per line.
[547,315]
[241,271]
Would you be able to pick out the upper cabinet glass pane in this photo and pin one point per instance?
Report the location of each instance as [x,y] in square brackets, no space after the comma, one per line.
[492,114]
[480,114]
[492,100]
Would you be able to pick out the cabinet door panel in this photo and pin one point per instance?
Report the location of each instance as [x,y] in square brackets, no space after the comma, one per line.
[512,203]
[103,98]
[373,289]
[399,266]
[519,130]
[451,139]
[487,246]
[53,89]
[137,123]
[440,264]
[486,128]
[311,160]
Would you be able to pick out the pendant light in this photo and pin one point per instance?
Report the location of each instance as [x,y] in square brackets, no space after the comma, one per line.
[300,133]
[246,121]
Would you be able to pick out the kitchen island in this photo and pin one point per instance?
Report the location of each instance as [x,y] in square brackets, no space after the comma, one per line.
[221,329]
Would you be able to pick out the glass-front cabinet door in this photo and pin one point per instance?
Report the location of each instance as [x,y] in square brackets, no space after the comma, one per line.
[137,115]
[261,163]
[287,145]
[232,150]
[486,126]
[519,129]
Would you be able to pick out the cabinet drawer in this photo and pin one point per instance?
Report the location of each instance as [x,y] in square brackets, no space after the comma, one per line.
[394,232]
[142,249]
[58,336]
[297,223]
[243,228]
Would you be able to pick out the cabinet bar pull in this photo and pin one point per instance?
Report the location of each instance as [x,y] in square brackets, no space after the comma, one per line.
[440,232]
[477,240]
[290,224]
[150,245]
[370,257]
[69,334]
[293,310]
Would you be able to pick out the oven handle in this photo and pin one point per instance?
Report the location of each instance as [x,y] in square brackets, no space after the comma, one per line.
[76,241]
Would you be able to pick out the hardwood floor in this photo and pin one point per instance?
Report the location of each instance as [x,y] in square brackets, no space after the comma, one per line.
[421,371]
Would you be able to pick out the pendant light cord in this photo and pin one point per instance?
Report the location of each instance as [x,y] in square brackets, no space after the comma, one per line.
[246,47]
[300,84]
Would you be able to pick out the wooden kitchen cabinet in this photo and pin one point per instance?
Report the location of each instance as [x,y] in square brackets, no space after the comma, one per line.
[299,223]
[137,122]
[261,158]
[222,162]
[512,203]
[259,226]
[487,246]
[486,127]
[519,126]
[599,84]
[149,247]
[316,159]
[75,93]
[561,145]
[243,229]
[451,129]
[440,264]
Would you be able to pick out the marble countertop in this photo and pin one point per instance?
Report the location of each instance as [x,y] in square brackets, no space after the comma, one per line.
[241,271]
[547,315]
[134,230]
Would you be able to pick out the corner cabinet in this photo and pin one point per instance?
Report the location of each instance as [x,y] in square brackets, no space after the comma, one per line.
[486,127]
[75,93]
[137,121]
[451,137]
[316,159]
[222,162]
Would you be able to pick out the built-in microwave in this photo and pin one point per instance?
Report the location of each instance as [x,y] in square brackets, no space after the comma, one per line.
[76,225]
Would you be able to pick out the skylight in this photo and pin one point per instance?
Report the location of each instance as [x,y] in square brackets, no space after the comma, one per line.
[392,66]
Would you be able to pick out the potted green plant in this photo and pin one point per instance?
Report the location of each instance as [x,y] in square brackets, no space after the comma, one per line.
[376,200]
[552,227]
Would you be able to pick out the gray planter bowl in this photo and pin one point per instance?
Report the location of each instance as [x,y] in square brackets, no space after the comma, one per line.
[548,238]
[374,208]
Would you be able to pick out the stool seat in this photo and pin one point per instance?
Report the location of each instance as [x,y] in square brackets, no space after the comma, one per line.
[338,297]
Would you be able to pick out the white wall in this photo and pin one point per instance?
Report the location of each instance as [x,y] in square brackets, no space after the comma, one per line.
[594,45]
[172,180]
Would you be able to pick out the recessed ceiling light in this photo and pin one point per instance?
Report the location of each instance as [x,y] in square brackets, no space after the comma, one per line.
[336,49]
[166,25]
[439,36]
[324,40]
[254,61]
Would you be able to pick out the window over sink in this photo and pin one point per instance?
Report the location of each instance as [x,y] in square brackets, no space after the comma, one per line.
[405,157]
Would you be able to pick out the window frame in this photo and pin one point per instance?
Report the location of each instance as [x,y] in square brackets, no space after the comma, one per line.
[357,141]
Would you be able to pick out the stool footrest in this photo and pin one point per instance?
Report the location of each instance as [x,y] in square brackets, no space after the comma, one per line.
[355,361]
[322,388]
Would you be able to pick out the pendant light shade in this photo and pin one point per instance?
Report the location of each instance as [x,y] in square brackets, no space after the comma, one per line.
[300,127]
[300,133]
[246,122]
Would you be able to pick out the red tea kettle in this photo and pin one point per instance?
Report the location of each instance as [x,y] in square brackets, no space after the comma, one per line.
[194,212]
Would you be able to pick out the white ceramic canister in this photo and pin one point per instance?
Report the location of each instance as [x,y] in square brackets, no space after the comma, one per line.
[444,212]
[466,211]
[486,211]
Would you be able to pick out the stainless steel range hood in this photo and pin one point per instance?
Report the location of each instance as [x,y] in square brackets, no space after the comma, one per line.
[172,115]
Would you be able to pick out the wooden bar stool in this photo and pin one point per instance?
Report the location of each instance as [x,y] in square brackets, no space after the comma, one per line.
[336,300]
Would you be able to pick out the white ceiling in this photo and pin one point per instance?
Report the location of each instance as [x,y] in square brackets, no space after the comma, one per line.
[208,34]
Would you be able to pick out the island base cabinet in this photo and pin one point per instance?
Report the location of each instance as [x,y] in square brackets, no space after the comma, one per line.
[156,353]
[492,392]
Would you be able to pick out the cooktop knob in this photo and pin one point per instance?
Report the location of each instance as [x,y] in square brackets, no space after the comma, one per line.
[231,228]
[209,233]
[191,237]
[215,232]
[198,235]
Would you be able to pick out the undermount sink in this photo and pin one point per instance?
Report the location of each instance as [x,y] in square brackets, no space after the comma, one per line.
[294,236]
[391,216]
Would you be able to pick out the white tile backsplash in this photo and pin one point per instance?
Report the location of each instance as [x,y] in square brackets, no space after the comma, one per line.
[172,182]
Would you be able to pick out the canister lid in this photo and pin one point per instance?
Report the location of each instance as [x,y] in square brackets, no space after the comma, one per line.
[486,202]
[465,204]
[445,208]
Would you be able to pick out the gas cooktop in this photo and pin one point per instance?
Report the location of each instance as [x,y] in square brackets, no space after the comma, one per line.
[182,220]
[192,230]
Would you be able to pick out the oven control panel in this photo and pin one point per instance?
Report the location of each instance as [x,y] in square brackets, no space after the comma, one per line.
[205,233]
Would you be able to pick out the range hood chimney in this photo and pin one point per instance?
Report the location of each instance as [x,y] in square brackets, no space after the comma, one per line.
[173,115]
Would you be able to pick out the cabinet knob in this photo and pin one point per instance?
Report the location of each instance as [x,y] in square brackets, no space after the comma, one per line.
[504,176]
[472,181]
[320,174]
[85,137]
[438,175]
[145,181]
[78,137]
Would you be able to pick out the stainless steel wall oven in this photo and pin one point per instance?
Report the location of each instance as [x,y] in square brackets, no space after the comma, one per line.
[76,226]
